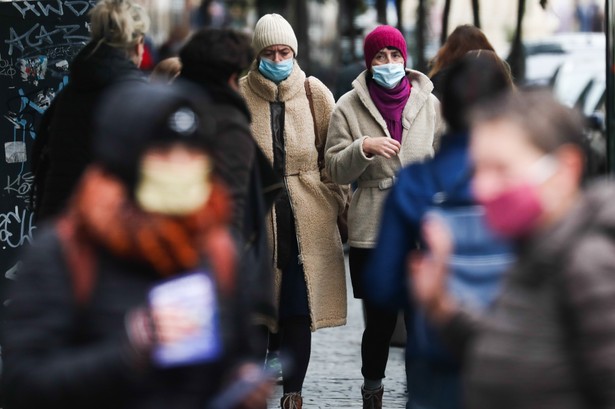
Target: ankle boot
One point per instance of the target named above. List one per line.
(372, 399)
(291, 400)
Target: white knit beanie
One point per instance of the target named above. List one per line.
(272, 29)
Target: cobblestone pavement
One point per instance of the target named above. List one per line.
(334, 376)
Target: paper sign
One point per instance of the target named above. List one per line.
(192, 300)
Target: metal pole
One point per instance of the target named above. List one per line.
(609, 25)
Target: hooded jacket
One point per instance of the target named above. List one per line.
(356, 118)
(315, 200)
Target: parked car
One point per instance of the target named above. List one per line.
(546, 55)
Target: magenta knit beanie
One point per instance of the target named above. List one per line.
(381, 37)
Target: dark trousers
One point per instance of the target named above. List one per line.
(379, 323)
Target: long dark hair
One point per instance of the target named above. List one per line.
(463, 39)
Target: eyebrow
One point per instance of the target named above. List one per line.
(277, 49)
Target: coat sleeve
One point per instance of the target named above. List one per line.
(235, 155)
(589, 302)
(344, 157)
(42, 365)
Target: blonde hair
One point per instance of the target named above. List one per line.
(118, 23)
(166, 70)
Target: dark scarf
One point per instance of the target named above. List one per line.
(391, 104)
(102, 213)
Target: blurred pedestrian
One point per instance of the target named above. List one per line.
(549, 340)
(443, 182)
(129, 300)
(213, 59)
(463, 39)
(389, 120)
(166, 70)
(62, 148)
(290, 113)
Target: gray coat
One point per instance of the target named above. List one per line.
(356, 118)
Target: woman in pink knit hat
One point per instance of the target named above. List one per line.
(389, 120)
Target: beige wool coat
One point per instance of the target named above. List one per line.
(356, 118)
(316, 201)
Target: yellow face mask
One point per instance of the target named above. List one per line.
(172, 187)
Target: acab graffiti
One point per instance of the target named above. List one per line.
(16, 228)
(40, 35)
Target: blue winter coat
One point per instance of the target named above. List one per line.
(400, 233)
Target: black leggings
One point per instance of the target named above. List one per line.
(295, 349)
(379, 323)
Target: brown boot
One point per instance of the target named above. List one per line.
(291, 400)
(372, 399)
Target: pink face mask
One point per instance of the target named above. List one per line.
(515, 212)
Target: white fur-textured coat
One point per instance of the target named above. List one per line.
(315, 200)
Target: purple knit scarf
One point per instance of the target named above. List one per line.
(391, 104)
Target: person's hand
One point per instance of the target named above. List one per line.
(174, 324)
(382, 146)
(257, 397)
(428, 272)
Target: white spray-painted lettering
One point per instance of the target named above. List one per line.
(39, 35)
(38, 8)
(7, 68)
(19, 186)
(16, 227)
(13, 272)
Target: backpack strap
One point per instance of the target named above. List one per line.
(79, 256)
(320, 146)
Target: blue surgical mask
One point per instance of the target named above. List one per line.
(388, 75)
(276, 71)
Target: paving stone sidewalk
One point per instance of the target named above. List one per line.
(334, 376)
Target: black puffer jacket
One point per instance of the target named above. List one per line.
(62, 353)
(62, 148)
(549, 342)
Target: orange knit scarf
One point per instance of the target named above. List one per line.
(102, 213)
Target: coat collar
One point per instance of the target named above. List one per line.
(272, 92)
(421, 90)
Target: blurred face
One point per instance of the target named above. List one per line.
(503, 158)
(388, 56)
(513, 180)
(277, 53)
(173, 180)
(175, 154)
